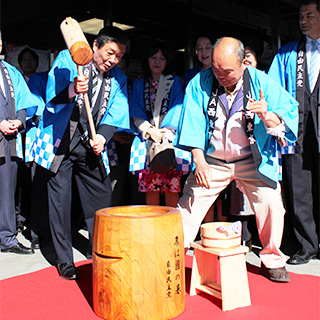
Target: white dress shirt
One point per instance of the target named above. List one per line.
(308, 54)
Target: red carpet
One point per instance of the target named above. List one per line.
(43, 295)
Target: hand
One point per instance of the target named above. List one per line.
(155, 134)
(15, 123)
(167, 134)
(8, 127)
(260, 107)
(282, 141)
(80, 84)
(203, 173)
(97, 145)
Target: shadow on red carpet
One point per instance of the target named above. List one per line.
(43, 295)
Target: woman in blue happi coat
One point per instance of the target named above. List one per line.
(155, 105)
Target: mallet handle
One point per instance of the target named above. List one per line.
(88, 110)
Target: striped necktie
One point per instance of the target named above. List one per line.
(314, 67)
(94, 85)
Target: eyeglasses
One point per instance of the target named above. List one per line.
(206, 49)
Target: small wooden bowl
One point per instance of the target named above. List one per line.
(212, 237)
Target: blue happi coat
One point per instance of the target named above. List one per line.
(283, 70)
(37, 85)
(138, 156)
(24, 99)
(283, 67)
(55, 118)
(194, 122)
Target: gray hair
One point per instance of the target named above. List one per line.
(238, 49)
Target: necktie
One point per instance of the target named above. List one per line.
(94, 85)
(314, 67)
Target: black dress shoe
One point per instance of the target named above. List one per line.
(19, 249)
(301, 257)
(35, 243)
(67, 271)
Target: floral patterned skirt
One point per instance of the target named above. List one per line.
(163, 182)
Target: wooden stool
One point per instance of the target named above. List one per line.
(221, 273)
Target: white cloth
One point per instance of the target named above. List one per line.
(279, 130)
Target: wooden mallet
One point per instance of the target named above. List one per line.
(81, 54)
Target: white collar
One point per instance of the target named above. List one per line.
(309, 41)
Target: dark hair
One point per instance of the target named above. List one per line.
(308, 2)
(152, 49)
(203, 35)
(112, 34)
(255, 45)
(25, 50)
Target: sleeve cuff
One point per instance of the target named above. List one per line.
(71, 92)
(102, 138)
(143, 127)
(278, 131)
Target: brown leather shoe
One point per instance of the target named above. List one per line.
(275, 274)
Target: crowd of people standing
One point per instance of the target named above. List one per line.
(251, 129)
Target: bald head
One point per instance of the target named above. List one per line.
(230, 47)
(228, 61)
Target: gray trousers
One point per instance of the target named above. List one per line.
(8, 182)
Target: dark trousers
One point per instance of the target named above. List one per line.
(8, 182)
(301, 179)
(23, 189)
(23, 192)
(39, 219)
(124, 183)
(94, 193)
